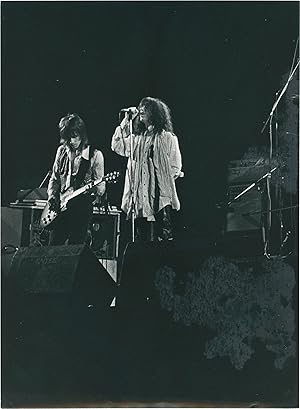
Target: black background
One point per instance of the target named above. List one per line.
(217, 65)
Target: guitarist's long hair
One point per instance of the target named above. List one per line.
(71, 126)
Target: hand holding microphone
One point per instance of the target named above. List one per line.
(131, 112)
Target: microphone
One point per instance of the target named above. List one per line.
(131, 110)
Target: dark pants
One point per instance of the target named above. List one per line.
(161, 229)
(72, 225)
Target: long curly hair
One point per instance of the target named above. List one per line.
(159, 115)
(71, 126)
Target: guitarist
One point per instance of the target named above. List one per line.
(76, 163)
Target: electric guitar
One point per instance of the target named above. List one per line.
(48, 216)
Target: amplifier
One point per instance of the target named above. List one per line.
(245, 213)
(13, 235)
(104, 235)
(38, 236)
(246, 170)
(103, 232)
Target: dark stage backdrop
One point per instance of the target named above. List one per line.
(218, 66)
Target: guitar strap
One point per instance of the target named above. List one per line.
(83, 168)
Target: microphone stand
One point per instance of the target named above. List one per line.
(280, 96)
(132, 184)
(27, 193)
(265, 176)
(45, 178)
(270, 120)
(273, 210)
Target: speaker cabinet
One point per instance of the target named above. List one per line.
(62, 270)
(13, 234)
(56, 309)
(11, 226)
(20, 227)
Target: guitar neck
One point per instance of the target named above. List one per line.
(83, 189)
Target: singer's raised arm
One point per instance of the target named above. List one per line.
(120, 142)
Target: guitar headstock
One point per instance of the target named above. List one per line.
(111, 177)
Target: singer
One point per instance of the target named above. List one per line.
(157, 164)
(76, 163)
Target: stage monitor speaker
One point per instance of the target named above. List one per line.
(62, 270)
(56, 309)
(244, 215)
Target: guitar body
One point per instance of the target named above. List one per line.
(48, 216)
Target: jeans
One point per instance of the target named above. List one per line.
(72, 225)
